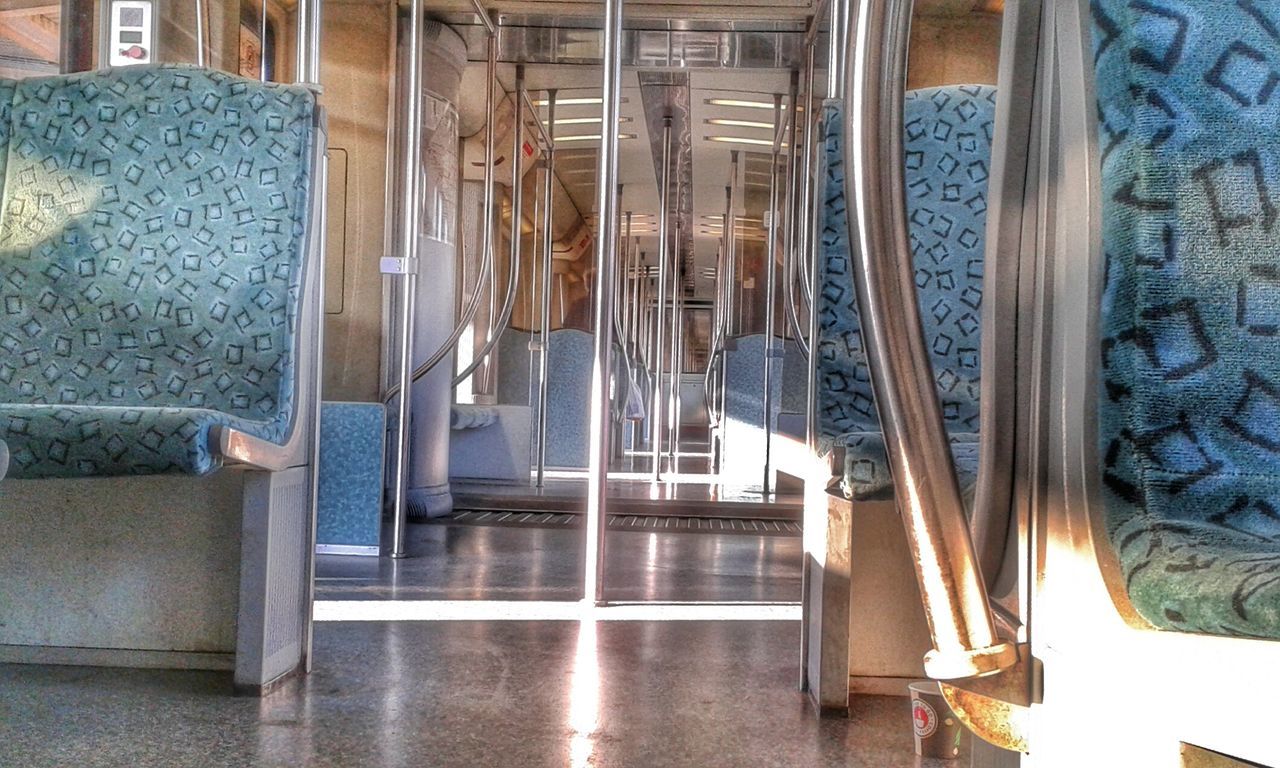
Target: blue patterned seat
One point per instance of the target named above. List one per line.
(1189, 405)
(151, 252)
(947, 141)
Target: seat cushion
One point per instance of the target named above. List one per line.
(87, 441)
(1189, 401)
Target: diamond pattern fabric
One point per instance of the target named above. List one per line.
(1189, 404)
(151, 249)
(947, 149)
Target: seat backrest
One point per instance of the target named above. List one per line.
(569, 361)
(1189, 404)
(947, 140)
(151, 239)
(514, 367)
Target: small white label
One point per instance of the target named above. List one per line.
(131, 33)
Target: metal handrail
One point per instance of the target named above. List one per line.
(791, 233)
(954, 593)
(807, 234)
(517, 218)
(544, 295)
(486, 237)
(771, 299)
(485, 19)
(606, 242)
(409, 247)
(656, 399)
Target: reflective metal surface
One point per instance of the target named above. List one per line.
(668, 95)
(656, 400)
(544, 295)
(516, 238)
(307, 66)
(487, 256)
(577, 43)
(409, 247)
(842, 22)
(793, 221)
(602, 365)
(771, 295)
(202, 38)
(1010, 234)
(928, 495)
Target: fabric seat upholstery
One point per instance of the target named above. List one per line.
(151, 251)
(947, 142)
(1189, 402)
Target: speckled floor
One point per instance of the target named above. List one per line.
(520, 694)
(486, 693)
(497, 563)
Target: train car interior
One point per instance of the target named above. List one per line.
(615, 383)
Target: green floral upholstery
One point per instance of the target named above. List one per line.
(947, 146)
(151, 252)
(1189, 405)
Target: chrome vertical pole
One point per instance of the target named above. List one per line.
(673, 380)
(262, 43)
(791, 223)
(716, 397)
(841, 37)
(544, 320)
(656, 400)
(770, 300)
(308, 56)
(815, 184)
(731, 288)
(637, 261)
(731, 225)
(201, 32)
(412, 169)
(807, 198)
(318, 393)
(606, 242)
(624, 286)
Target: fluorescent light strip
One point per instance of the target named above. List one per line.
(583, 120)
(744, 104)
(575, 102)
(591, 137)
(719, 217)
(741, 140)
(529, 610)
(738, 123)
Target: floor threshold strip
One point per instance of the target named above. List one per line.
(530, 610)
(628, 522)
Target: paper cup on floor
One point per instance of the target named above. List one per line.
(937, 730)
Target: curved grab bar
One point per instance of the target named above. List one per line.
(807, 198)
(955, 598)
(793, 314)
(486, 237)
(517, 203)
(791, 230)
